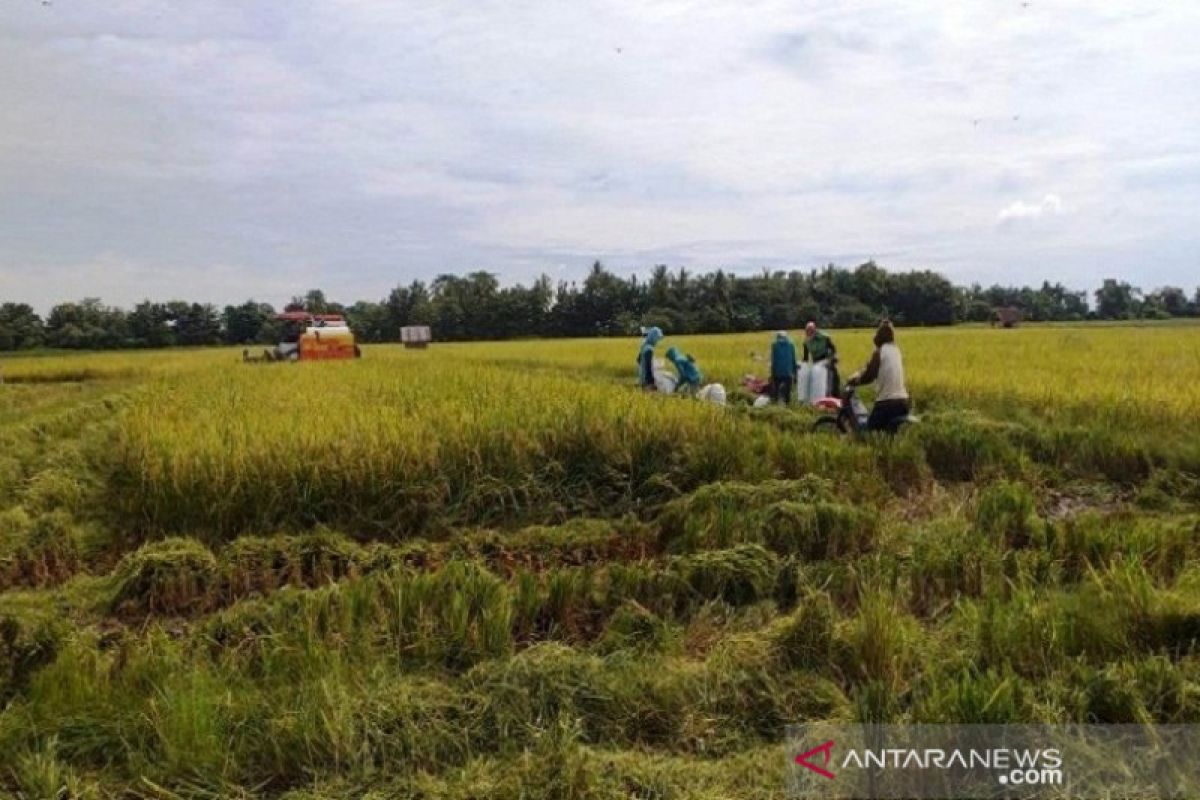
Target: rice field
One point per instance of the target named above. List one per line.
(499, 570)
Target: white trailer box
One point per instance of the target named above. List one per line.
(416, 335)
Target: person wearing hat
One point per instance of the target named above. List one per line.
(886, 371)
(783, 368)
(645, 359)
(689, 373)
(819, 347)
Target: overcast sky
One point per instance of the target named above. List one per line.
(219, 150)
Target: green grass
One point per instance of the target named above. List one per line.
(500, 571)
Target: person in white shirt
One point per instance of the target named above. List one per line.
(886, 371)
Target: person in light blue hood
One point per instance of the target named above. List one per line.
(645, 359)
(783, 368)
(689, 373)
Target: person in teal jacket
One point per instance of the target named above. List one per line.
(645, 358)
(783, 367)
(689, 373)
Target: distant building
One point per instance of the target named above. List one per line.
(1007, 317)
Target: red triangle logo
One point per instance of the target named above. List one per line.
(826, 751)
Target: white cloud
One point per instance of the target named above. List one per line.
(373, 143)
(120, 280)
(1050, 206)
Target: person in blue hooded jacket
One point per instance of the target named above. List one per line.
(645, 359)
(783, 367)
(689, 373)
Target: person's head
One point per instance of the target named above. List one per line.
(653, 334)
(810, 330)
(781, 336)
(885, 333)
(673, 355)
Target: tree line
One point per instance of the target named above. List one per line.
(476, 306)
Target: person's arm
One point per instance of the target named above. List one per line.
(870, 372)
(647, 363)
(805, 356)
(832, 348)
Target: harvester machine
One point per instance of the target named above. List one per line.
(310, 337)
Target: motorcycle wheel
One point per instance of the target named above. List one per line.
(828, 425)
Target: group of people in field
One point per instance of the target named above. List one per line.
(885, 369)
(689, 375)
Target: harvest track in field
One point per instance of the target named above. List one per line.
(447, 574)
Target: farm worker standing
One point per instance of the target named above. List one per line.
(645, 358)
(819, 347)
(783, 367)
(886, 371)
(689, 373)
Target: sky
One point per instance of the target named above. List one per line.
(217, 151)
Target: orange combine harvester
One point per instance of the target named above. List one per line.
(311, 337)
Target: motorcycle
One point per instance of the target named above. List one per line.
(848, 414)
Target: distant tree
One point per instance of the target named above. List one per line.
(315, 302)
(1171, 300)
(870, 285)
(369, 321)
(720, 300)
(249, 323)
(524, 311)
(20, 327)
(602, 299)
(196, 324)
(628, 323)
(87, 325)
(1064, 303)
(681, 289)
(406, 305)
(830, 287)
(658, 291)
(920, 298)
(151, 325)
(971, 305)
(1116, 300)
(1050, 302)
(467, 307)
(668, 319)
(1151, 308)
(476, 306)
(850, 313)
